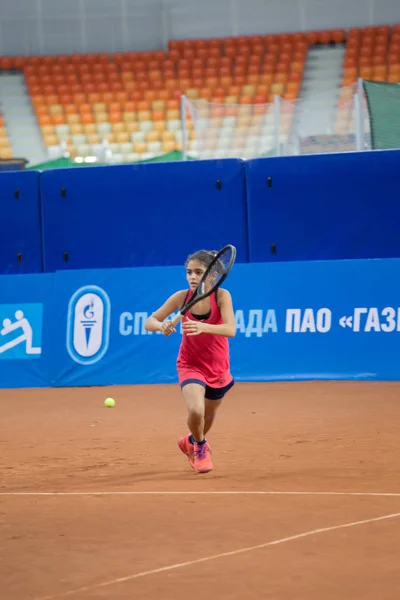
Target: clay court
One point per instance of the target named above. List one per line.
(303, 501)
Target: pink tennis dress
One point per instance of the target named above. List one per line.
(205, 357)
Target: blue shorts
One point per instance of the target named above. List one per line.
(211, 393)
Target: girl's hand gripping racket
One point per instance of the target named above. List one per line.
(217, 271)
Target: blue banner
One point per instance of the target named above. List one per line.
(323, 320)
(26, 325)
(101, 338)
(302, 320)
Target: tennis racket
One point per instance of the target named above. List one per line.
(220, 267)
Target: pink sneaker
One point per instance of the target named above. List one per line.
(202, 458)
(187, 448)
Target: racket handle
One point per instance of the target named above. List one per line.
(177, 319)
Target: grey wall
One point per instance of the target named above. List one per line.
(66, 26)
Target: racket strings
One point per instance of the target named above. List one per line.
(223, 263)
(221, 266)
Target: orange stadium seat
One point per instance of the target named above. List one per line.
(140, 92)
(133, 98)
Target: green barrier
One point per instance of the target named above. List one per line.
(65, 163)
(383, 101)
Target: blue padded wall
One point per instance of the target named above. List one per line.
(20, 228)
(324, 206)
(144, 215)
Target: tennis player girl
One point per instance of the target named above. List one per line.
(203, 361)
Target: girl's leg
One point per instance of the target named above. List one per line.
(195, 402)
(211, 407)
(212, 402)
(196, 447)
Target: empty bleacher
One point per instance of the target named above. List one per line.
(131, 100)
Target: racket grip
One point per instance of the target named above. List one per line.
(177, 319)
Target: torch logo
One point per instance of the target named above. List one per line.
(88, 325)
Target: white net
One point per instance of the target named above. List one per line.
(5, 148)
(323, 123)
(214, 130)
(365, 123)
(330, 121)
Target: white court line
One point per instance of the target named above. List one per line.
(197, 561)
(203, 493)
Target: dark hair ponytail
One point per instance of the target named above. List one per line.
(206, 257)
(203, 256)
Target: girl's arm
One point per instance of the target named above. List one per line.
(155, 322)
(226, 329)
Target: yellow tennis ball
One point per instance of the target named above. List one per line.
(109, 402)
